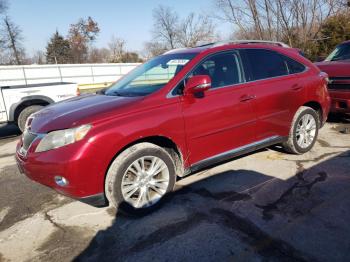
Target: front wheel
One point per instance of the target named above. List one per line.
(303, 132)
(139, 178)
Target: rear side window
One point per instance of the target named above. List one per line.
(293, 66)
(264, 64)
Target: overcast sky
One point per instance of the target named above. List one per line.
(128, 19)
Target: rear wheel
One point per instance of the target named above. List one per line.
(25, 113)
(303, 132)
(139, 178)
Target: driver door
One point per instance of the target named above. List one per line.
(222, 119)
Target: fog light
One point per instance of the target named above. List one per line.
(61, 181)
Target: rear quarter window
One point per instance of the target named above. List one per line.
(293, 66)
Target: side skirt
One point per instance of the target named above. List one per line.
(211, 161)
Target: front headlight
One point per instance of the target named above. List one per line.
(61, 138)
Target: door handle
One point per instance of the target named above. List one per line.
(245, 98)
(296, 87)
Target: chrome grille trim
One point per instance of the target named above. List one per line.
(339, 83)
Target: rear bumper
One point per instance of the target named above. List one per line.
(76, 163)
(340, 101)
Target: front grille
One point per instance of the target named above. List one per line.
(27, 139)
(339, 83)
(339, 86)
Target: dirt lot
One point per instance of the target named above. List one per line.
(267, 206)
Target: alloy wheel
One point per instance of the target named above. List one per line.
(145, 181)
(306, 130)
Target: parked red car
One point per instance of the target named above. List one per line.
(337, 66)
(178, 113)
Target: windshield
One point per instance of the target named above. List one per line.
(341, 52)
(150, 76)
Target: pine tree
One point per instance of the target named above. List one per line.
(58, 50)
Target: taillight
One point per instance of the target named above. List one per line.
(78, 91)
(324, 76)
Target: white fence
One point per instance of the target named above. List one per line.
(77, 73)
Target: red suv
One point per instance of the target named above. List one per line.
(337, 66)
(176, 114)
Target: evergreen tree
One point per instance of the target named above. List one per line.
(58, 50)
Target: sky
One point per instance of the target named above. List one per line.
(127, 19)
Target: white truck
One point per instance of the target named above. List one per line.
(18, 102)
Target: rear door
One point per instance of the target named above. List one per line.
(278, 92)
(3, 116)
(220, 120)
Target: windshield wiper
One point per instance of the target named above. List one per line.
(115, 93)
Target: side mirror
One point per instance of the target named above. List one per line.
(198, 83)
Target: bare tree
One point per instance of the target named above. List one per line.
(3, 56)
(12, 41)
(194, 29)
(39, 58)
(117, 49)
(152, 49)
(166, 22)
(99, 55)
(170, 31)
(295, 21)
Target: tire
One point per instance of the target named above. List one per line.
(120, 172)
(25, 113)
(306, 139)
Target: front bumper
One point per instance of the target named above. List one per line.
(78, 163)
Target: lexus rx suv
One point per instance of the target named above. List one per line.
(337, 66)
(178, 113)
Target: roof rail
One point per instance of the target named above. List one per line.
(281, 44)
(174, 50)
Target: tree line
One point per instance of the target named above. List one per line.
(314, 26)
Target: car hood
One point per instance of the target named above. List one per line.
(77, 111)
(335, 68)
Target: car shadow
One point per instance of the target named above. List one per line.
(240, 215)
(9, 131)
(338, 118)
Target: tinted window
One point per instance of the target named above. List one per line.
(294, 66)
(223, 69)
(265, 64)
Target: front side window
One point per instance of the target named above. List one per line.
(150, 76)
(264, 64)
(223, 69)
(341, 52)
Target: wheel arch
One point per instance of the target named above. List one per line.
(16, 108)
(317, 107)
(161, 141)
